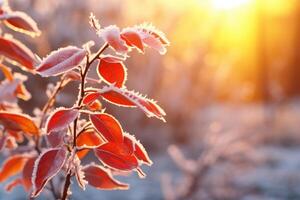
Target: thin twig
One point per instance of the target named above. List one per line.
(83, 74)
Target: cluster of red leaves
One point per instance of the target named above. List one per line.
(58, 139)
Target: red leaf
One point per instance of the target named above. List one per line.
(60, 119)
(16, 51)
(10, 186)
(12, 166)
(61, 61)
(101, 178)
(123, 97)
(112, 70)
(27, 173)
(111, 35)
(88, 138)
(133, 39)
(46, 167)
(18, 122)
(107, 126)
(116, 156)
(21, 22)
(56, 138)
(139, 150)
(91, 97)
(117, 98)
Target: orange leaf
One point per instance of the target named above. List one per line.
(60, 119)
(12, 166)
(88, 138)
(101, 178)
(90, 98)
(18, 122)
(10, 186)
(112, 70)
(46, 167)
(16, 51)
(95, 106)
(27, 173)
(20, 91)
(6, 72)
(107, 126)
(61, 61)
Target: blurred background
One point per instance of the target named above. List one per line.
(229, 83)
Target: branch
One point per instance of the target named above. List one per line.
(83, 73)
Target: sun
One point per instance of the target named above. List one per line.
(228, 4)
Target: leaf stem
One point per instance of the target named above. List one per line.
(83, 74)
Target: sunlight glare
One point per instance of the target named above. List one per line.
(228, 4)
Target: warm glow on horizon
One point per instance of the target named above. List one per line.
(228, 4)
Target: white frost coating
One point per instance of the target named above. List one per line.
(60, 63)
(35, 170)
(7, 91)
(134, 97)
(4, 5)
(94, 22)
(79, 173)
(87, 46)
(73, 164)
(153, 37)
(111, 35)
(4, 16)
(150, 28)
